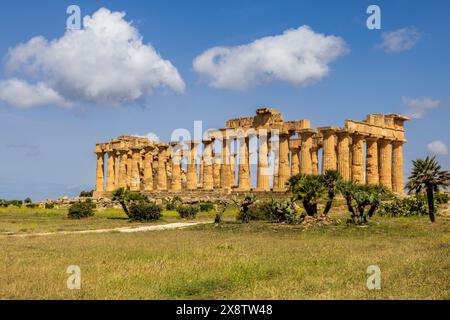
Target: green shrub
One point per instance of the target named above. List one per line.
(17, 203)
(283, 211)
(206, 206)
(27, 201)
(256, 211)
(188, 211)
(31, 205)
(86, 194)
(144, 211)
(49, 206)
(410, 206)
(441, 198)
(173, 203)
(3, 203)
(81, 210)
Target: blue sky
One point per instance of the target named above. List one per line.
(47, 150)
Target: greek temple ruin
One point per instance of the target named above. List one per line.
(368, 151)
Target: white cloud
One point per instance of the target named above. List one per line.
(23, 95)
(418, 107)
(400, 40)
(105, 63)
(150, 136)
(298, 56)
(438, 147)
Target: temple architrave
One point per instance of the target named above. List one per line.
(368, 151)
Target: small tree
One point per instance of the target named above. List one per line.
(27, 201)
(427, 174)
(331, 180)
(126, 198)
(244, 207)
(308, 189)
(81, 210)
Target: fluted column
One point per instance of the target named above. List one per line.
(263, 162)
(358, 158)
(116, 169)
(372, 176)
(216, 171)
(208, 177)
(123, 177)
(397, 170)
(295, 161)
(344, 155)
(315, 159)
(100, 174)
(284, 168)
(135, 176)
(385, 151)
(244, 167)
(176, 169)
(225, 173)
(162, 170)
(111, 171)
(148, 171)
(305, 152)
(329, 161)
(192, 167)
(129, 166)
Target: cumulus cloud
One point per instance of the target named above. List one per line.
(104, 63)
(438, 147)
(298, 56)
(400, 40)
(418, 107)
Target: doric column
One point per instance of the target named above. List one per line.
(100, 175)
(329, 160)
(372, 176)
(344, 154)
(263, 162)
(284, 168)
(208, 177)
(244, 167)
(135, 176)
(162, 170)
(385, 151)
(123, 178)
(116, 169)
(192, 167)
(358, 158)
(216, 171)
(129, 166)
(225, 173)
(315, 158)
(111, 171)
(295, 160)
(176, 168)
(305, 153)
(397, 170)
(148, 171)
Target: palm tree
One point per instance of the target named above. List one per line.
(331, 180)
(308, 189)
(427, 174)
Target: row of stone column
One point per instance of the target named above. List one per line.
(142, 170)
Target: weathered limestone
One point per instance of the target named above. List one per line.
(162, 170)
(358, 158)
(244, 166)
(397, 167)
(284, 167)
(294, 145)
(148, 171)
(263, 163)
(192, 167)
(138, 164)
(329, 160)
(111, 171)
(305, 153)
(100, 176)
(135, 176)
(372, 176)
(385, 150)
(343, 154)
(225, 169)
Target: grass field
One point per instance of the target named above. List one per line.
(231, 261)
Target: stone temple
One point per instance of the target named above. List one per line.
(368, 151)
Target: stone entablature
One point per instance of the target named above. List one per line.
(138, 164)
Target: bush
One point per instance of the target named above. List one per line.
(17, 203)
(410, 206)
(31, 205)
(188, 211)
(86, 194)
(49, 206)
(3, 203)
(173, 203)
(283, 211)
(256, 211)
(27, 201)
(144, 211)
(441, 198)
(81, 210)
(206, 206)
